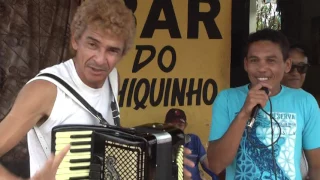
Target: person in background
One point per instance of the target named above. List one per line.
(297, 74)
(177, 118)
(295, 79)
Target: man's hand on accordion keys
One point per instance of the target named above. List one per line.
(50, 169)
(187, 162)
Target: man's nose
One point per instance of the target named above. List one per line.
(262, 67)
(100, 57)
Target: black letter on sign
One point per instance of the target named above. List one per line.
(153, 23)
(122, 92)
(167, 92)
(131, 4)
(205, 91)
(153, 100)
(177, 92)
(194, 16)
(136, 65)
(196, 92)
(141, 103)
(173, 60)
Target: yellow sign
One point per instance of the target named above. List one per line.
(181, 58)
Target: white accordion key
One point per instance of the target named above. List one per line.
(76, 163)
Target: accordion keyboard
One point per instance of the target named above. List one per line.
(76, 164)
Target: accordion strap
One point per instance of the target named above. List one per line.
(42, 141)
(71, 92)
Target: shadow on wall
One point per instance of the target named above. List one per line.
(16, 160)
(33, 36)
(2, 78)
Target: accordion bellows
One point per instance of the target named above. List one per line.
(146, 152)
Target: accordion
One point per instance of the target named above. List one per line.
(149, 151)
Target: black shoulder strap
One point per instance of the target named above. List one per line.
(114, 108)
(80, 99)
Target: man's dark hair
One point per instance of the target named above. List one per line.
(300, 48)
(270, 35)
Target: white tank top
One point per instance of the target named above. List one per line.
(66, 111)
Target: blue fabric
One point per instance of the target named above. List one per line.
(299, 118)
(198, 154)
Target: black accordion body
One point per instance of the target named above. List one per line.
(146, 152)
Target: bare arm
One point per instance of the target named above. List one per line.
(205, 162)
(221, 152)
(33, 102)
(205, 167)
(313, 158)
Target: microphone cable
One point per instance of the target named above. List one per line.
(272, 147)
(272, 137)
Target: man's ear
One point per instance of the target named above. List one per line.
(245, 64)
(288, 64)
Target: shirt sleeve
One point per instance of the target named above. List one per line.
(311, 130)
(220, 119)
(202, 152)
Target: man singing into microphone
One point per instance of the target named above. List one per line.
(267, 149)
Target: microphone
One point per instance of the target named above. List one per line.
(255, 110)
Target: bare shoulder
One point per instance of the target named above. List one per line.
(39, 89)
(39, 86)
(35, 99)
(313, 159)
